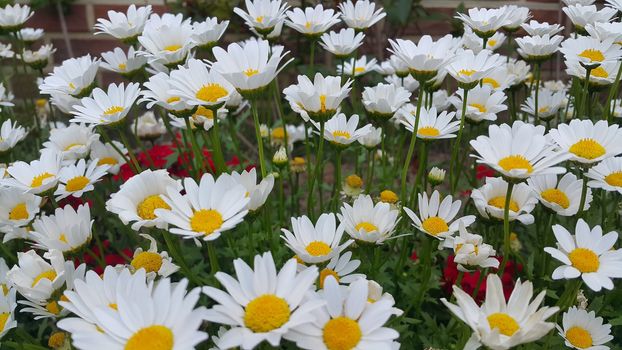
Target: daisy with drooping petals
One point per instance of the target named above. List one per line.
(393, 66)
(10, 135)
(588, 253)
(343, 43)
(541, 28)
(106, 107)
(588, 142)
(549, 103)
(438, 218)
(347, 320)
(263, 15)
(484, 22)
(366, 222)
(360, 15)
(167, 39)
(261, 304)
(7, 310)
(489, 201)
(249, 76)
(383, 100)
(317, 243)
(318, 99)
(563, 198)
(538, 48)
(606, 175)
(341, 131)
(518, 151)
(583, 330)
(498, 324)
(432, 126)
(206, 209)
(197, 85)
(75, 77)
(516, 15)
(483, 103)
(206, 34)
(35, 278)
(425, 58)
(73, 142)
(140, 196)
(356, 67)
(17, 208)
(67, 230)
(582, 15)
(76, 179)
(341, 268)
(120, 62)
(148, 127)
(153, 262)
(13, 17)
(36, 177)
(30, 35)
(124, 26)
(257, 192)
(469, 68)
(313, 21)
(105, 154)
(372, 138)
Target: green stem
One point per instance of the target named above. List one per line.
(426, 263)
(613, 91)
(411, 147)
(317, 176)
(179, 258)
(506, 227)
(197, 156)
(337, 185)
(262, 161)
(371, 162)
(219, 159)
(537, 77)
(130, 152)
(423, 161)
(213, 258)
(580, 213)
(585, 92)
(453, 178)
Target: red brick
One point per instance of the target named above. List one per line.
(82, 47)
(101, 11)
(47, 18)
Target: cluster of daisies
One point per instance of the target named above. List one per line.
(552, 151)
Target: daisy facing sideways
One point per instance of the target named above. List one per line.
(76, 179)
(563, 197)
(587, 254)
(588, 142)
(341, 268)
(38, 176)
(261, 304)
(583, 330)
(341, 131)
(67, 230)
(155, 264)
(106, 107)
(489, 201)
(432, 125)
(607, 175)
(366, 222)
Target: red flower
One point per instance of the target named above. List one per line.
(484, 171)
(110, 259)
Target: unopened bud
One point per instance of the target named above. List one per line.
(436, 176)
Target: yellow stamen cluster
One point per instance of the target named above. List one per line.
(584, 260)
(435, 225)
(206, 221)
(266, 313)
(146, 208)
(341, 333)
(504, 323)
(155, 337)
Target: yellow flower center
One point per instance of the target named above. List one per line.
(173, 99)
(429, 131)
(57, 339)
(146, 208)
(318, 248)
(491, 43)
(72, 86)
(614, 179)
(113, 110)
(113, 306)
(3, 318)
(38, 180)
(266, 313)
(504, 323)
(77, 183)
(479, 106)
(19, 212)
(49, 275)
(72, 146)
(250, 72)
(341, 133)
(172, 48)
(492, 82)
(211, 92)
(435, 225)
(579, 337)
(62, 238)
(278, 133)
(593, 55)
(325, 273)
(388, 196)
(553, 195)
(499, 202)
(53, 307)
(584, 260)
(206, 221)
(512, 162)
(467, 72)
(323, 103)
(308, 25)
(149, 261)
(107, 161)
(299, 161)
(367, 226)
(41, 102)
(122, 66)
(359, 69)
(204, 112)
(543, 109)
(599, 72)
(259, 19)
(587, 148)
(341, 333)
(354, 181)
(151, 338)
(5, 289)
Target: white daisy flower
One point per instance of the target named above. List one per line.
(471, 251)
(317, 243)
(5, 97)
(366, 222)
(7, 311)
(158, 92)
(262, 304)
(10, 135)
(601, 76)
(30, 35)
(197, 85)
(153, 262)
(534, 28)
(76, 179)
(120, 62)
(469, 68)
(105, 154)
(341, 268)
(5, 51)
(617, 4)
(249, 76)
(206, 209)
(499, 78)
(582, 15)
(498, 324)
(432, 126)
(549, 103)
(473, 42)
(538, 48)
(140, 196)
(347, 320)
(360, 15)
(563, 198)
(590, 51)
(63, 102)
(516, 15)
(263, 15)
(313, 21)
(38, 59)
(425, 58)
(67, 230)
(408, 82)
(438, 218)
(12, 18)
(206, 34)
(588, 254)
(73, 142)
(383, 100)
(484, 22)
(318, 99)
(167, 39)
(606, 30)
(578, 2)
(356, 67)
(483, 103)
(583, 330)
(343, 43)
(341, 131)
(124, 26)
(606, 175)
(106, 107)
(37, 279)
(38, 176)
(142, 319)
(588, 142)
(17, 208)
(372, 138)
(490, 201)
(257, 192)
(75, 77)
